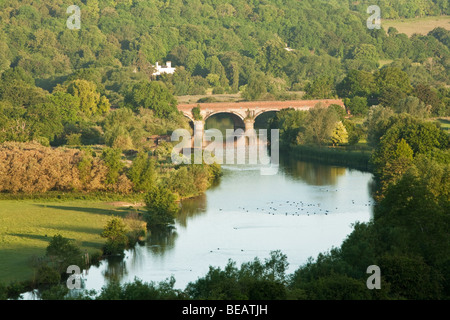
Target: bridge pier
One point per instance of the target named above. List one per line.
(250, 133)
(249, 124)
(199, 130)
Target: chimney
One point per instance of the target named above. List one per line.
(157, 65)
(169, 64)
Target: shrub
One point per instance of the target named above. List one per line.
(33, 168)
(115, 232)
(136, 226)
(161, 207)
(46, 275)
(63, 253)
(196, 113)
(142, 172)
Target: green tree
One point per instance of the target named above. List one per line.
(115, 232)
(410, 277)
(112, 158)
(138, 290)
(91, 102)
(62, 253)
(320, 88)
(255, 88)
(160, 207)
(405, 138)
(427, 95)
(67, 105)
(393, 77)
(397, 163)
(390, 96)
(355, 131)
(44, 120)
(320, 124)
(152, 95)
(124, 130)
(17, 74)
(21, 93)
(413, 106)
(253, 280)
(357, 83)
(142, 173)
(291, 124)
(46, 275)
(339, 134)
(215, 67)
(195, 62)
(366, 52)
(337, 287)
(357, 105)
(378, 122)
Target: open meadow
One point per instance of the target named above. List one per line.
(417, 25)
(26, 227)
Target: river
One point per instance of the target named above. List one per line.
(303, 210)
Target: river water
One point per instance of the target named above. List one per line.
(303, 210)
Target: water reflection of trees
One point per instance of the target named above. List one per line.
(312, 173)
(116, 268)
(190, 208)
(159, 241)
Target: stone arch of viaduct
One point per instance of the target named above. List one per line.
(245, 113)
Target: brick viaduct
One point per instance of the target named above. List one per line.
(245, 113)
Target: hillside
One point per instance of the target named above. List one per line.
(61, 82)
(215, 45)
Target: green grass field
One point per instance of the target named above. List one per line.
(417, 25)
(26, 227)
(445, 124)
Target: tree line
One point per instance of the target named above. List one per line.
(229, 46)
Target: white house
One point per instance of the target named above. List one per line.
(167, 69)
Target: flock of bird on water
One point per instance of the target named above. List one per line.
(294, 208)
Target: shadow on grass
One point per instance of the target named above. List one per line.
(32, 236)
(78, 229)
(82, 243)
(108, 212)
(445, 124)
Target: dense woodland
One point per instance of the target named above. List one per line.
(58, 86)
(91, 94)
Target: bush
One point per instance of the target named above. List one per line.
(112, 158)
(33, 168)
(410, 277)
(136, 226)
(218, 90)
(161, 207)
(142, 173)
(73, 139)
(63, 253)
(14, 290)
(46, 275)
(3, 292)
(206, 100)
(338, 287)
(139, 290)
(196, 113)
(58, 292)
(115, 232)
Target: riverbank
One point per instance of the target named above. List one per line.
(352, 158)
(29, 221)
